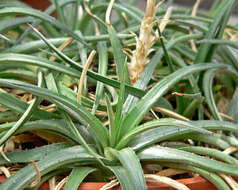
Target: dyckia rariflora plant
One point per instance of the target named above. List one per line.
(123, 98)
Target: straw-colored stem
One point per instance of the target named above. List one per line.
(38, 175)
(165, 180)
(62, 47)
(194, 12)
(108, 12)
(83, 75)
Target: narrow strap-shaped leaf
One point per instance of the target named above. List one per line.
(26, 116)
(210, 152)
(119, 108)
(166, 55)
(131, 163)
(118, 53)
(59, 10)
(70, 106)
(19, 123)
(164, 154)
(171, 68)
(81, 139)
(229, 55)
(33, 46)
(80, 68)
(36, 154)
(211, 176)
(209, 139)
(50, 175)
(207, 87)
(122, 175)
(51, 85)
(18, 106)
(137, 16)
(216, 30)
(50, 82)
(219, 42)
(76, 13)
(232, 109)
(83, 59)
(19, 74)
(48, 11)
(158, 123)
(43, 16)
(14, 3)
(5, 25)
(102, 69)
(37, 61)
(217, 7)
(150, 99)
(111, 121)
(77, 176)
(8, 116)
(97, 19)
(156, 135)
(52, 126)
(51, 162)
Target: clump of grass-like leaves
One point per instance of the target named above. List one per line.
(95, 96)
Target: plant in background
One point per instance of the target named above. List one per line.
(71, 111)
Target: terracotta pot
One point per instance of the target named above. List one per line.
(2, 179)
(36, 4)
(40, 5)
(196, 183)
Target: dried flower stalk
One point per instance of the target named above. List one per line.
(110, 185)
(61, 183)
(166, 180)
(165, 20)
(62, 47)
(230, 150)
(108, 12)
(38, 175)
(139, 58)
(170, 172)
(170, 113)
(146, 40)
(3, 154)
(5, 171)
(231, 182)
(83, 75)
(194, 12)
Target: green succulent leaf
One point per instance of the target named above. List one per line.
(211, 176)
(131, 164)
(160, 134)
(150, 99)
(164, 154)
(123, 177)
(102, 69)
(210, 152)
(159, 123)
(71, 107)
(43, 16)
(77, 176)
(215, 31)
(36, 154)
(207, 87)
(16, 105)
(54, 160)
